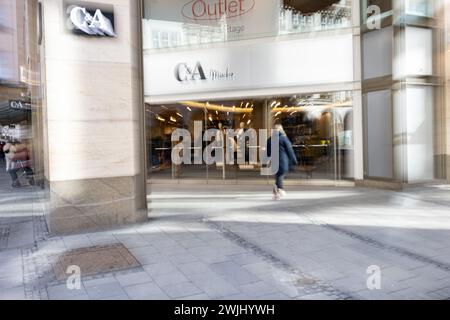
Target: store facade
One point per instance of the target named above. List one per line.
(251, 65)
(360, 87)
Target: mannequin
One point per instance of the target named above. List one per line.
(240, 143)
(221, 144)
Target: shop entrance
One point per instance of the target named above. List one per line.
(320, 127)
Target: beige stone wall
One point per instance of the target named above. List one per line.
(92, 110)
(447, 87)
(93, 121)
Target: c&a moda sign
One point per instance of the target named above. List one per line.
(213, 10)
(189, 73)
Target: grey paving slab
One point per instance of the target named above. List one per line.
(193, 268)
(331, 234)
(122, 297)
(243, 259)
(154, 258)
(316, 297)
(184, 257)
(134, 278)
(198, 297)
(171, 278)
(101, 239)
(142, 252)
(145, 291)
(11, 282)
(104, 290)
(234, 273)
(181, 289)
(61, 292)
(132, 241)
(17, 293)
(160, 269)
(258, 289)
(213, 285)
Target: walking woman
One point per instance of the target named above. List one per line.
(287, 159)
(17, 159)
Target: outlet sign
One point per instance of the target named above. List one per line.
(90, 19)
(242, 18)
(216, 10)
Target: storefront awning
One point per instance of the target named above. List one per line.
(10, 115)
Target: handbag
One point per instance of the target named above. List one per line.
(20, 156)
(21, 164)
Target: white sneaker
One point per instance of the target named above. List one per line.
(281, 193)
(276, 195)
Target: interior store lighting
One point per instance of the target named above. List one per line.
(213, 107)
(346, 104)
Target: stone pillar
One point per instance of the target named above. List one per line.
(447, 89)
(94, 121)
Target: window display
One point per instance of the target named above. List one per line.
(320, 127)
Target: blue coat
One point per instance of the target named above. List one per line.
(287, 154)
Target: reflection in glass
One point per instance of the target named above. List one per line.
(420, 7)
(320, 126)
(172, 23)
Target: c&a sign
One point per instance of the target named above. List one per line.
(90, 19)
(191, 73)
(213, 10)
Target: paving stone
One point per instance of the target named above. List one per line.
(146, 291)
(11, 282)
(61, 292)
(182, 258)
(161, 268)
(170, 278)
(193, 268)
(144, 251)
(275, 247)
(198, 297)
(17, 293)
(154, 258)
(122, 297)
(258, 289)
(214, 286)
(133, 278)
(180, 289)
(234, 273)
(316, 297)
(105, 290)
(132, 241)
(244, 259)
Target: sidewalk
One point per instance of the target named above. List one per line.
(234, 242)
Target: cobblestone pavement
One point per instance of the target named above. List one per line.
(234, 242)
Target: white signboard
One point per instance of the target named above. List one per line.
(242, 17)
(323, 60)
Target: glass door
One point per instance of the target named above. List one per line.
(162, 121)
(320, 129)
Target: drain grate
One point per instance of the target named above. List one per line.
(4, 236)
(95, 260)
